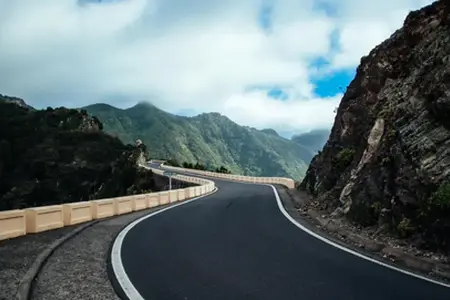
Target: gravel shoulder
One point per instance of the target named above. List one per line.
(18, 254)
(75, 270)
(78, 268)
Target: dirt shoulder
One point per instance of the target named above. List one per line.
(366, 241)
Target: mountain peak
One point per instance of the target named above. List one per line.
(15, 100)
(144, 104)
(270, 131)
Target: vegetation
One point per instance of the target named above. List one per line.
(434, 217)
(61, 155)
(344, 157)
(197, 166)
(405, 228)
(209, 138)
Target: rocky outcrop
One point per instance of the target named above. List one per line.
(61, 155)
(387, 160)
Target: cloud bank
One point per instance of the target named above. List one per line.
(231, 56)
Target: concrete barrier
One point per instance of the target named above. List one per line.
(74, 213)
(173, 196)
(139, 202)
(288, 182)
(198, 191)
(181, 194)
(123, 205)
(190, 192)
(102, 208)
(164, 198)
(44, 218)
(12, 224)
(15, 223)
(152, 200)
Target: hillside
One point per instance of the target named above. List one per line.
(312, 141)
(61, 155)
(210, 138)
(387, 160)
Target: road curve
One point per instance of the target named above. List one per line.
(236, 244)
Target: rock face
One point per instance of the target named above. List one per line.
(61, 155)
(387, 160)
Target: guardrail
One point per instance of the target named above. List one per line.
(14, 223)
(287, 182)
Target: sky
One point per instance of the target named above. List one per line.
(280, 64)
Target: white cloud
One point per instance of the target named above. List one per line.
(201, 55)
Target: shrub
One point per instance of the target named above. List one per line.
(173, 162)
(434, 217)
(405, 228)
(222, 169)
(344, 157)
(198, 166)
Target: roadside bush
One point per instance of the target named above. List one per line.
(222, 169)
(344, 157)
(434, 217)
(173, 162)
(405, 228)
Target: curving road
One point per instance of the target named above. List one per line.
(236, 244)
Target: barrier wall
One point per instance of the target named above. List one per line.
(181, 194)
(44, 218)
(139, 202)
(14, 223)
(153, 200)
(123, 205)
(173, 196)
(102, 208)
(287, 182)
(74, 213)
(164, 198)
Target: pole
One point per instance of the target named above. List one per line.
(170, 182)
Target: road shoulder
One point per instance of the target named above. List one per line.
(78, 268)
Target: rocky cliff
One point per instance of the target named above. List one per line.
(387, 160)
(61, 155)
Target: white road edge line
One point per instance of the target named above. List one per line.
(128, 288)
(331, 243)
(286, 214)
(116, 253)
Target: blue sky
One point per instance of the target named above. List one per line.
(280, 64)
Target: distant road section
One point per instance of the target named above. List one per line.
(236, 244)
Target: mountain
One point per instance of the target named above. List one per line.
(61, 155)
(312, 141)
(387, 159)
(210, 138)
(270, 131)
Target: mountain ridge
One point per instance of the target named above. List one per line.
(211, 139)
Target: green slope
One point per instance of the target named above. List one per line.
(210, 139)
(312, 142)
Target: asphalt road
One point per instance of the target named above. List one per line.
(236, 244)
